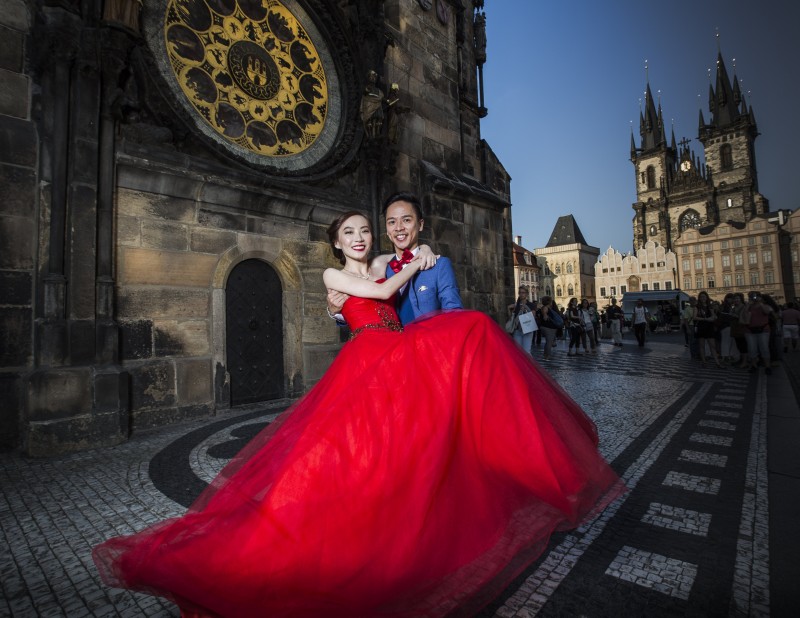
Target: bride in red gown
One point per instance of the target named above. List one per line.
(424, 471)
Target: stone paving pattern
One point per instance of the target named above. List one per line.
(692, 537)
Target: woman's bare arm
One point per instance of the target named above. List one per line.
(336, 279)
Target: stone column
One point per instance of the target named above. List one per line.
(61, 33)
(114, 45)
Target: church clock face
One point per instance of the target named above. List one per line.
(690, 220)
(255, 76)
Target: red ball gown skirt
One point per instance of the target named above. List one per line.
(422, 473)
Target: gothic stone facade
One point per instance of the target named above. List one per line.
(675, 191)
(168, 175)
(711, 214)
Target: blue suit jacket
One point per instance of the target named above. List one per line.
(433, 289)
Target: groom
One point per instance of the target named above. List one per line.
(428, 290)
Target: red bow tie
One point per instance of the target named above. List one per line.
(397, 265)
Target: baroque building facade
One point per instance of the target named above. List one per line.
(651, 268)
(739, 257)
(567, 263)
(526, 270)
(169, 171)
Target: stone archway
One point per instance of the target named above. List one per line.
(287, 331)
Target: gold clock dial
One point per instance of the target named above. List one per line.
(250, 69)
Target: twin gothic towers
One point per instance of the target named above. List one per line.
(675, 190)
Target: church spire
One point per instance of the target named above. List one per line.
(652, 129)
(726, 109)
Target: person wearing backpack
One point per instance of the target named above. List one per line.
(551, 322)
(575, 327)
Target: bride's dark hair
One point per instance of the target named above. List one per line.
(333, 231)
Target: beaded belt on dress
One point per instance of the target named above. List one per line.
(387, 323)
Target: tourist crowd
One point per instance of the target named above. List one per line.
(742, 332)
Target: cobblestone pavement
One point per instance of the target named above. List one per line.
(691, 538)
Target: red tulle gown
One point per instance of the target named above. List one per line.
(424, 471)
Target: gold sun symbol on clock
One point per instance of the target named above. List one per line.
(251, 71)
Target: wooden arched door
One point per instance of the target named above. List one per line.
(254, 328)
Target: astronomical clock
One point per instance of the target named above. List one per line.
(254, 77)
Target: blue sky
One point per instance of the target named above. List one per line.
(562, 83)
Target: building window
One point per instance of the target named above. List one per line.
(527, 258)
(656, 285)
(698, 263)
(765, 240)
(558, 270)
(767, 256)
(570, 290)
(686, 265)
(726, 157)
(569, 269)
(547, 291)
(602, 291)
(661, 264)
(613, 290)
(738, 259)
(754, 277)
(726, 261)
(709, 263)
(685, 249)
(726, 280)
(769, 277)
(668, 285)
(558, 291)
(795, 256)
(737, 242)
(651, 177)
(751, 241)
(687, 283)
(709, 246)
(711, 281)
(699, 282)
(752, 258)
(623, 289)
(644, 287)
(729, 202)
(739, 279)
(723, 244)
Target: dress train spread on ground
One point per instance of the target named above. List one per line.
(424, 471)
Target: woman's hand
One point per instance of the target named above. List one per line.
(336, 301)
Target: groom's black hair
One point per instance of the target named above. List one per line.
(404, 196)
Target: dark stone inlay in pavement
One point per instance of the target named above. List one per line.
(170, 468)
(242, 435)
